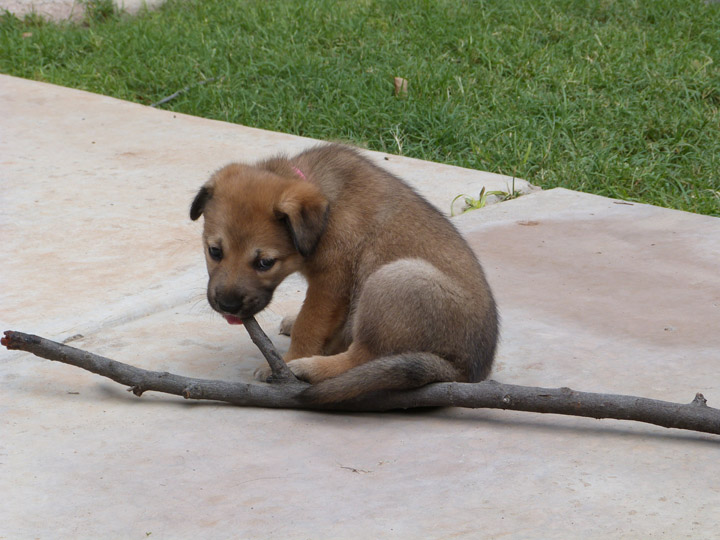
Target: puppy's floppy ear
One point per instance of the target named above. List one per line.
(305, 212)
(201, 199)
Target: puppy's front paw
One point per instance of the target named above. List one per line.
(286, 325)
(263, 374)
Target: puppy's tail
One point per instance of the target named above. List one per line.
(396, 372)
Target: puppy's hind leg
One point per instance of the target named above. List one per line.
(315, 369)
(407, 370)
(411, 306)
(408, 323)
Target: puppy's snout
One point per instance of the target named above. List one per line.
(230, 303)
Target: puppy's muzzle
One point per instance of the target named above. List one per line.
(233, 302)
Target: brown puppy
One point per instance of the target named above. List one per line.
(395, 299)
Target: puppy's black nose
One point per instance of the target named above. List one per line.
(230, 303)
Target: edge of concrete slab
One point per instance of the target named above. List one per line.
(220, 141)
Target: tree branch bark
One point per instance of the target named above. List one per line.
(280, 371)
(287, 391)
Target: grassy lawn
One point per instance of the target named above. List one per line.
(618, 98)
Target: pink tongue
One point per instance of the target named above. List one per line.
(232, 319)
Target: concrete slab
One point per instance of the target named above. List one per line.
(620, 294)
(595, 294)
(59, 10)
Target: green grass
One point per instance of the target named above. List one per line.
(615, 98)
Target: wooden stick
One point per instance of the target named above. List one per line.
(280, 371)
(695, 416)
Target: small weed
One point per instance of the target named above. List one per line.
(472, 203)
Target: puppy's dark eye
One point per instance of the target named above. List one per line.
(264, 265)
(216, 253)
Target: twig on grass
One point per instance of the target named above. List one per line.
(183, 90)
(286, 393)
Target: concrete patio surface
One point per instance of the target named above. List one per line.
(59, 10)
(595, 294)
